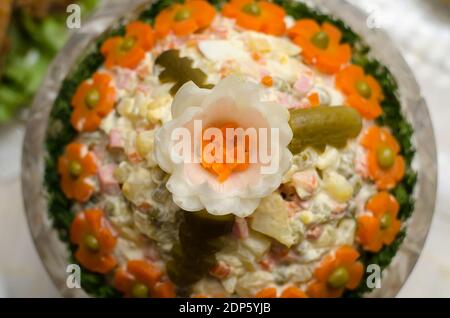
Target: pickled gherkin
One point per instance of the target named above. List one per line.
(321, 126)
(200, 237)
(179, 70)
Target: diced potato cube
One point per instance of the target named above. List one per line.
(328, 159)
(271, 218)
(157, 115)
(126, 107)
(307, 217)
(338, 187)
(161, 101)
(257, 243)
(258, 43)
(327, 238)
(142, 104)
(229, 284)
(250, 283)
(346, 232)
(144, 143)
(138, 186)
(306, 182)
(127, 189)
(230, 257)
(297, 273)
(208, 286)
(284, 59)
(122, 172)
(285, 46)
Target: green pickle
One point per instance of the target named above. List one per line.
(200, 237)
(179, 70)
(321, 126)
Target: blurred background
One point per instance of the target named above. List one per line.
(33, 31)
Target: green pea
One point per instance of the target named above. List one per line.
(252, 8)
(92, 98)
(91, 243)
(75, 169)
(127, 44)
(182, 15)
(363, 89)
(385, 221)
(385, 157)
(139, 291)
(339, 278)
(321, 40)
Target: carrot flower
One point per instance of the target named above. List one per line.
(385, 166)
(93, 100)
(142, 279)
(362, 91)
(75, 167)
(261, 16)
(184, 19)
(382, 226)
(92, 233)
(321, 45)
(336, 273)
(128, 51)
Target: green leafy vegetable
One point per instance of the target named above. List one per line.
(179, 70)
(58, 136)
(50, 34)
(33, 44)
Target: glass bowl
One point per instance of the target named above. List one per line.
(54, 253)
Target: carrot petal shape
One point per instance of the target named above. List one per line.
(293, 292)
(362, 91)
(386, 167)
(129, 50)
(93, 100)
(336, 273)
(269, 292)
(261, 16)
(184, 19)
(321, 45)
(380, 228)
(75, 167)
(92, 233)
(142, 279)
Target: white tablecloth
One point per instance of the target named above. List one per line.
(422, 31)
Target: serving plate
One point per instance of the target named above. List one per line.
(54, 253)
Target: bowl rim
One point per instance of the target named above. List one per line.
(54, 253)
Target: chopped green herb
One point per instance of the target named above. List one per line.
(33, 44)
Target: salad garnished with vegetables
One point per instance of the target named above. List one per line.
(143, 224)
